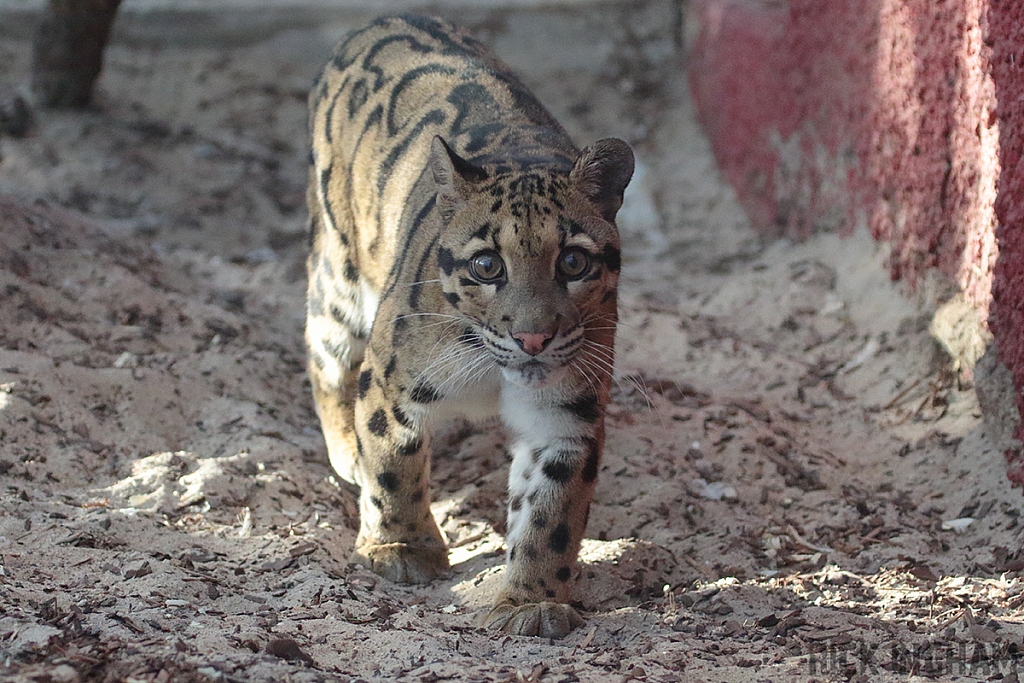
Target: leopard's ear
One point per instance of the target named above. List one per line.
(453, 174)
(602, 172)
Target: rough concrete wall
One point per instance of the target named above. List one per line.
(900, 113)
(1006, 34)
(780, 123)
(826, 113)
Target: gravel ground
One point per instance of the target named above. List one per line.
(796, 485)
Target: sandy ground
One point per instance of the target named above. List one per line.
(796, 486)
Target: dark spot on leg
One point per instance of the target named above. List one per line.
(351, 274)
(376, 502)
(559, 539)
(336, 351)
(389, 482)
(378, 423)
(563, 574)
(540, 521)
(593, 461)
(412, 527)
(424, 393)
(535, 455)
(511, 554)
(340, 316)
(516, 503)
(558, 472)
(585, 408)
(417, 496)
(400, 417)
(327, 266)
(549, 593)
(411, 448)
(364, 382)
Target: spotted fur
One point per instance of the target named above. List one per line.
(464, 260)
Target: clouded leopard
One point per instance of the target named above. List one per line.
(464, 261)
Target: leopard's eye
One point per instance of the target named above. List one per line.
(487, 266)
(573, 263)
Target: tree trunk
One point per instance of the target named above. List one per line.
(67, 52)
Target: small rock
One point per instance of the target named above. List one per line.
(714, 491)
(681, 625)
(198, 554)
(957, 525)
(137, 569)
(687, 599)
(732, 627)
(62, 673)
(30, 638)
(288, 649)
(15, 114)
(126, 360)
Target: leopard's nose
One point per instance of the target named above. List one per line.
(533, 342)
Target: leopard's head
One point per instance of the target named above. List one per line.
(530, 259)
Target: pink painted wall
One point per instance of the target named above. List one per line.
(1006, 35)
(895, 113)
(826, 113)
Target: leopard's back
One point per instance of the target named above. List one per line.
(387, 90)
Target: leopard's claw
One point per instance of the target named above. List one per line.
(403, 562)
(544, 619)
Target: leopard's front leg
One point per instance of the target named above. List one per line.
(398, 537)
(556, 451)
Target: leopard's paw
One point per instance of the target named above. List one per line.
(544, 619)
(403, 562)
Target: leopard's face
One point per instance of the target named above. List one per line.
(530, 266)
